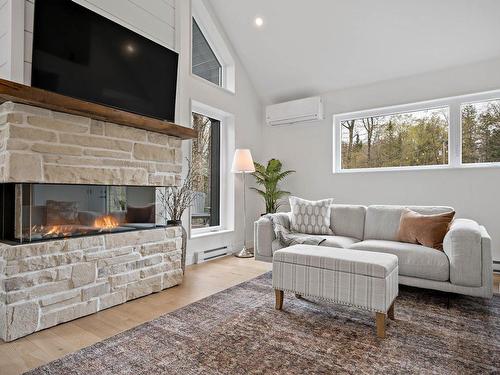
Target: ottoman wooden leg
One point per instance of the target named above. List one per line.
(279, 298)
(390, 312)
(380, 319)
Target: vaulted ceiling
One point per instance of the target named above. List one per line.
(307, 47)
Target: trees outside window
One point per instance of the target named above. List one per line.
(417, 138)
(205, 161)
(481, 132)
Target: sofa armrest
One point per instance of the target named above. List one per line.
(463, 244)
(264, 235)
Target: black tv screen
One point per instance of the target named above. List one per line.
(81, 54)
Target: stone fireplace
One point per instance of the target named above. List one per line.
(79, 226)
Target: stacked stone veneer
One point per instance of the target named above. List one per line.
(39, 145)
(47, 283)
(44, 284)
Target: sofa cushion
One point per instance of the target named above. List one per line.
(348, 220)
(338, 241)
(382, 222)
(334, 259)
(414, 260)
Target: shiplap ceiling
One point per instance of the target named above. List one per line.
(307, 47)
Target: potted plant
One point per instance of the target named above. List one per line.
(269, 177)
(174, 201)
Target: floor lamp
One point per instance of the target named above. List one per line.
(243, 163)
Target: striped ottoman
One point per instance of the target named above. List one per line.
(363, 279)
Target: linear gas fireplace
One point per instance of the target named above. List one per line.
(38, 212)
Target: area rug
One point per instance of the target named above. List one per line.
(238, 331)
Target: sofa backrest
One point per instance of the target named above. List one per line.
(382, 222)
(348, 220)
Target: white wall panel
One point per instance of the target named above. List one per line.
(27, 73)
(141, 19)
(12, 36)
(29, 11)
(4, 49)
(4, 17)
(28, 46)
(4, 35)
(158, 8)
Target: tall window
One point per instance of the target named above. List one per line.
(481, 132)
(205, 210)
(461, 131)
(396, 140)
(205, 62)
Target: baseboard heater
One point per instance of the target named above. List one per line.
(206, 255)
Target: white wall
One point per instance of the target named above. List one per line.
(246, 108)
(307, 148)
(168, 22)
(11, 39)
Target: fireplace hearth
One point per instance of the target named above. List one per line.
(39, 212)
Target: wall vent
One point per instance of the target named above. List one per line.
(206, 255)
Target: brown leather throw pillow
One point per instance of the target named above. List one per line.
(426, 230)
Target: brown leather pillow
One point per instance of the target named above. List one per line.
(145, 214)
(426, 230)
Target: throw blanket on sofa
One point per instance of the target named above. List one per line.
(288, 238)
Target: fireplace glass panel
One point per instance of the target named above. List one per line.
(37, 212)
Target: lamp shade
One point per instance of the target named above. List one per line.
(242, 162)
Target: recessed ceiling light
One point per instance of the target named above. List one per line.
(259, 21)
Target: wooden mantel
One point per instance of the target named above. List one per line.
(17, 93)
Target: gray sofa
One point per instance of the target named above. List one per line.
(465, 266)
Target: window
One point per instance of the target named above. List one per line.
(396, 140)
(205, 63)
(462, 131)
(211, 58)
(205, 209)
(481, 132)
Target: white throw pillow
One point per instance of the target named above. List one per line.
(311, 217)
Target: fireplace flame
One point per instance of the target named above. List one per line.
(107, 222)
(53, 230)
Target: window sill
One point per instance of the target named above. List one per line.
(422, 168)
(211, 84)
(210, 233)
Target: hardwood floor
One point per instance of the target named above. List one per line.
(200, 281)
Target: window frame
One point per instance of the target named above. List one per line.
(226, 182)
(213, 184)
(454, 105)
(222, 69)
(201, 14)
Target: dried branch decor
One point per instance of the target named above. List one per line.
(176, 199)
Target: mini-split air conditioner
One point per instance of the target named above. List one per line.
(302, 110)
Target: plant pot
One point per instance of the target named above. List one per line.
(178, 223)
(174, 223)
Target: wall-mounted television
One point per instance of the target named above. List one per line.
(82, 54)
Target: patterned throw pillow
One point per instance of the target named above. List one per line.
(311, 217)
